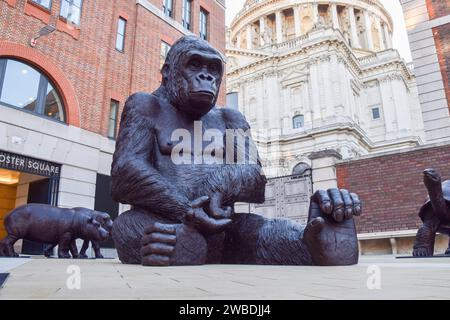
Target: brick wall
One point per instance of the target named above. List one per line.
(442, 39)
(438, 8)
(391, 186)
(86, 55)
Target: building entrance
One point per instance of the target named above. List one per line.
(26, 180)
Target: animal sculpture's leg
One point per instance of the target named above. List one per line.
(97, 251)
(447, 252)
(48, 250)
(424, 245)
(64, 246)
(8, 246)
(82, 254)
(73, 249)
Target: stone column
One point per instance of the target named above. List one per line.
(380, 33)
(238, 40)
(323, 165)
(334, 15)
(387, 35)
(315, 13)
(262, 30)
(279, 26)
(368, 26)
(249, 37)
(353, 30)
(298, 30)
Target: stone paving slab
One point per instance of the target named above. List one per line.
(109, 279)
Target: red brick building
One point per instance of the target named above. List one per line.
(61, 95)
(391, 187)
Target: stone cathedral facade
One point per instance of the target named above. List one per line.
(319, 81)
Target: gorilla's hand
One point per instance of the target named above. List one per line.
(215, 221)
(158, 244)
(330, 234)
(216, 209)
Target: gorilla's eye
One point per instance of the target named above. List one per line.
(195, 64)
(214, 68)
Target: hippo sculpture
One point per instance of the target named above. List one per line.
(51, 225)
(105, 221)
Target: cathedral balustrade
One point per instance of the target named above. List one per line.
(269, 24)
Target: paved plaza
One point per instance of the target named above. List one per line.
(40, 278)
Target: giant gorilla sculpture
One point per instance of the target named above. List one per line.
(182, 212)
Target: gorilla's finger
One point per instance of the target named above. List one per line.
(357, 205)
(228, 212)
(200, 202)
(161, 228)
(314, 211)
(348, 204)
(157, 248)
(155, 260)
(158, 237)
(315, 226)
(211, 224)
(324, 201)
(338, 204)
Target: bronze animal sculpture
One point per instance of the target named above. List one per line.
(435, 214)
(182, 212)
(101, 217)
(47, 224)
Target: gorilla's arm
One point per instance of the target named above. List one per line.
(134, 179)
(237, 181)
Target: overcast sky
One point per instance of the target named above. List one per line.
(393, 6)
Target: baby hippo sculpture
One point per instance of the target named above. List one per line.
(101, 217)
(51, 225)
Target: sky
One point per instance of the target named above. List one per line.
(400, 40)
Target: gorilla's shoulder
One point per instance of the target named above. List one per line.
(143, 103)
(233, 118)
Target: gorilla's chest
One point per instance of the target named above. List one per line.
(194, 138)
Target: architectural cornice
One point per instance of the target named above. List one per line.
(383, 62)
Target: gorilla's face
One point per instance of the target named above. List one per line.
(192, 75)
(202, 73)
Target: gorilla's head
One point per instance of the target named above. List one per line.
(191, 76)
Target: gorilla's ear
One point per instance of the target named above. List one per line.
(165, 71)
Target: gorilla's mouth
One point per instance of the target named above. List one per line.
(204, 93)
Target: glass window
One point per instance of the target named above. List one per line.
(22, 86)
(112, 125)
(45, 3)
(376, 113)
(71, 10)
(187, 9)
(204, 24)
(298, 121)
(53, 107)
(168, 7)
(165, 47)
(120, 40)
